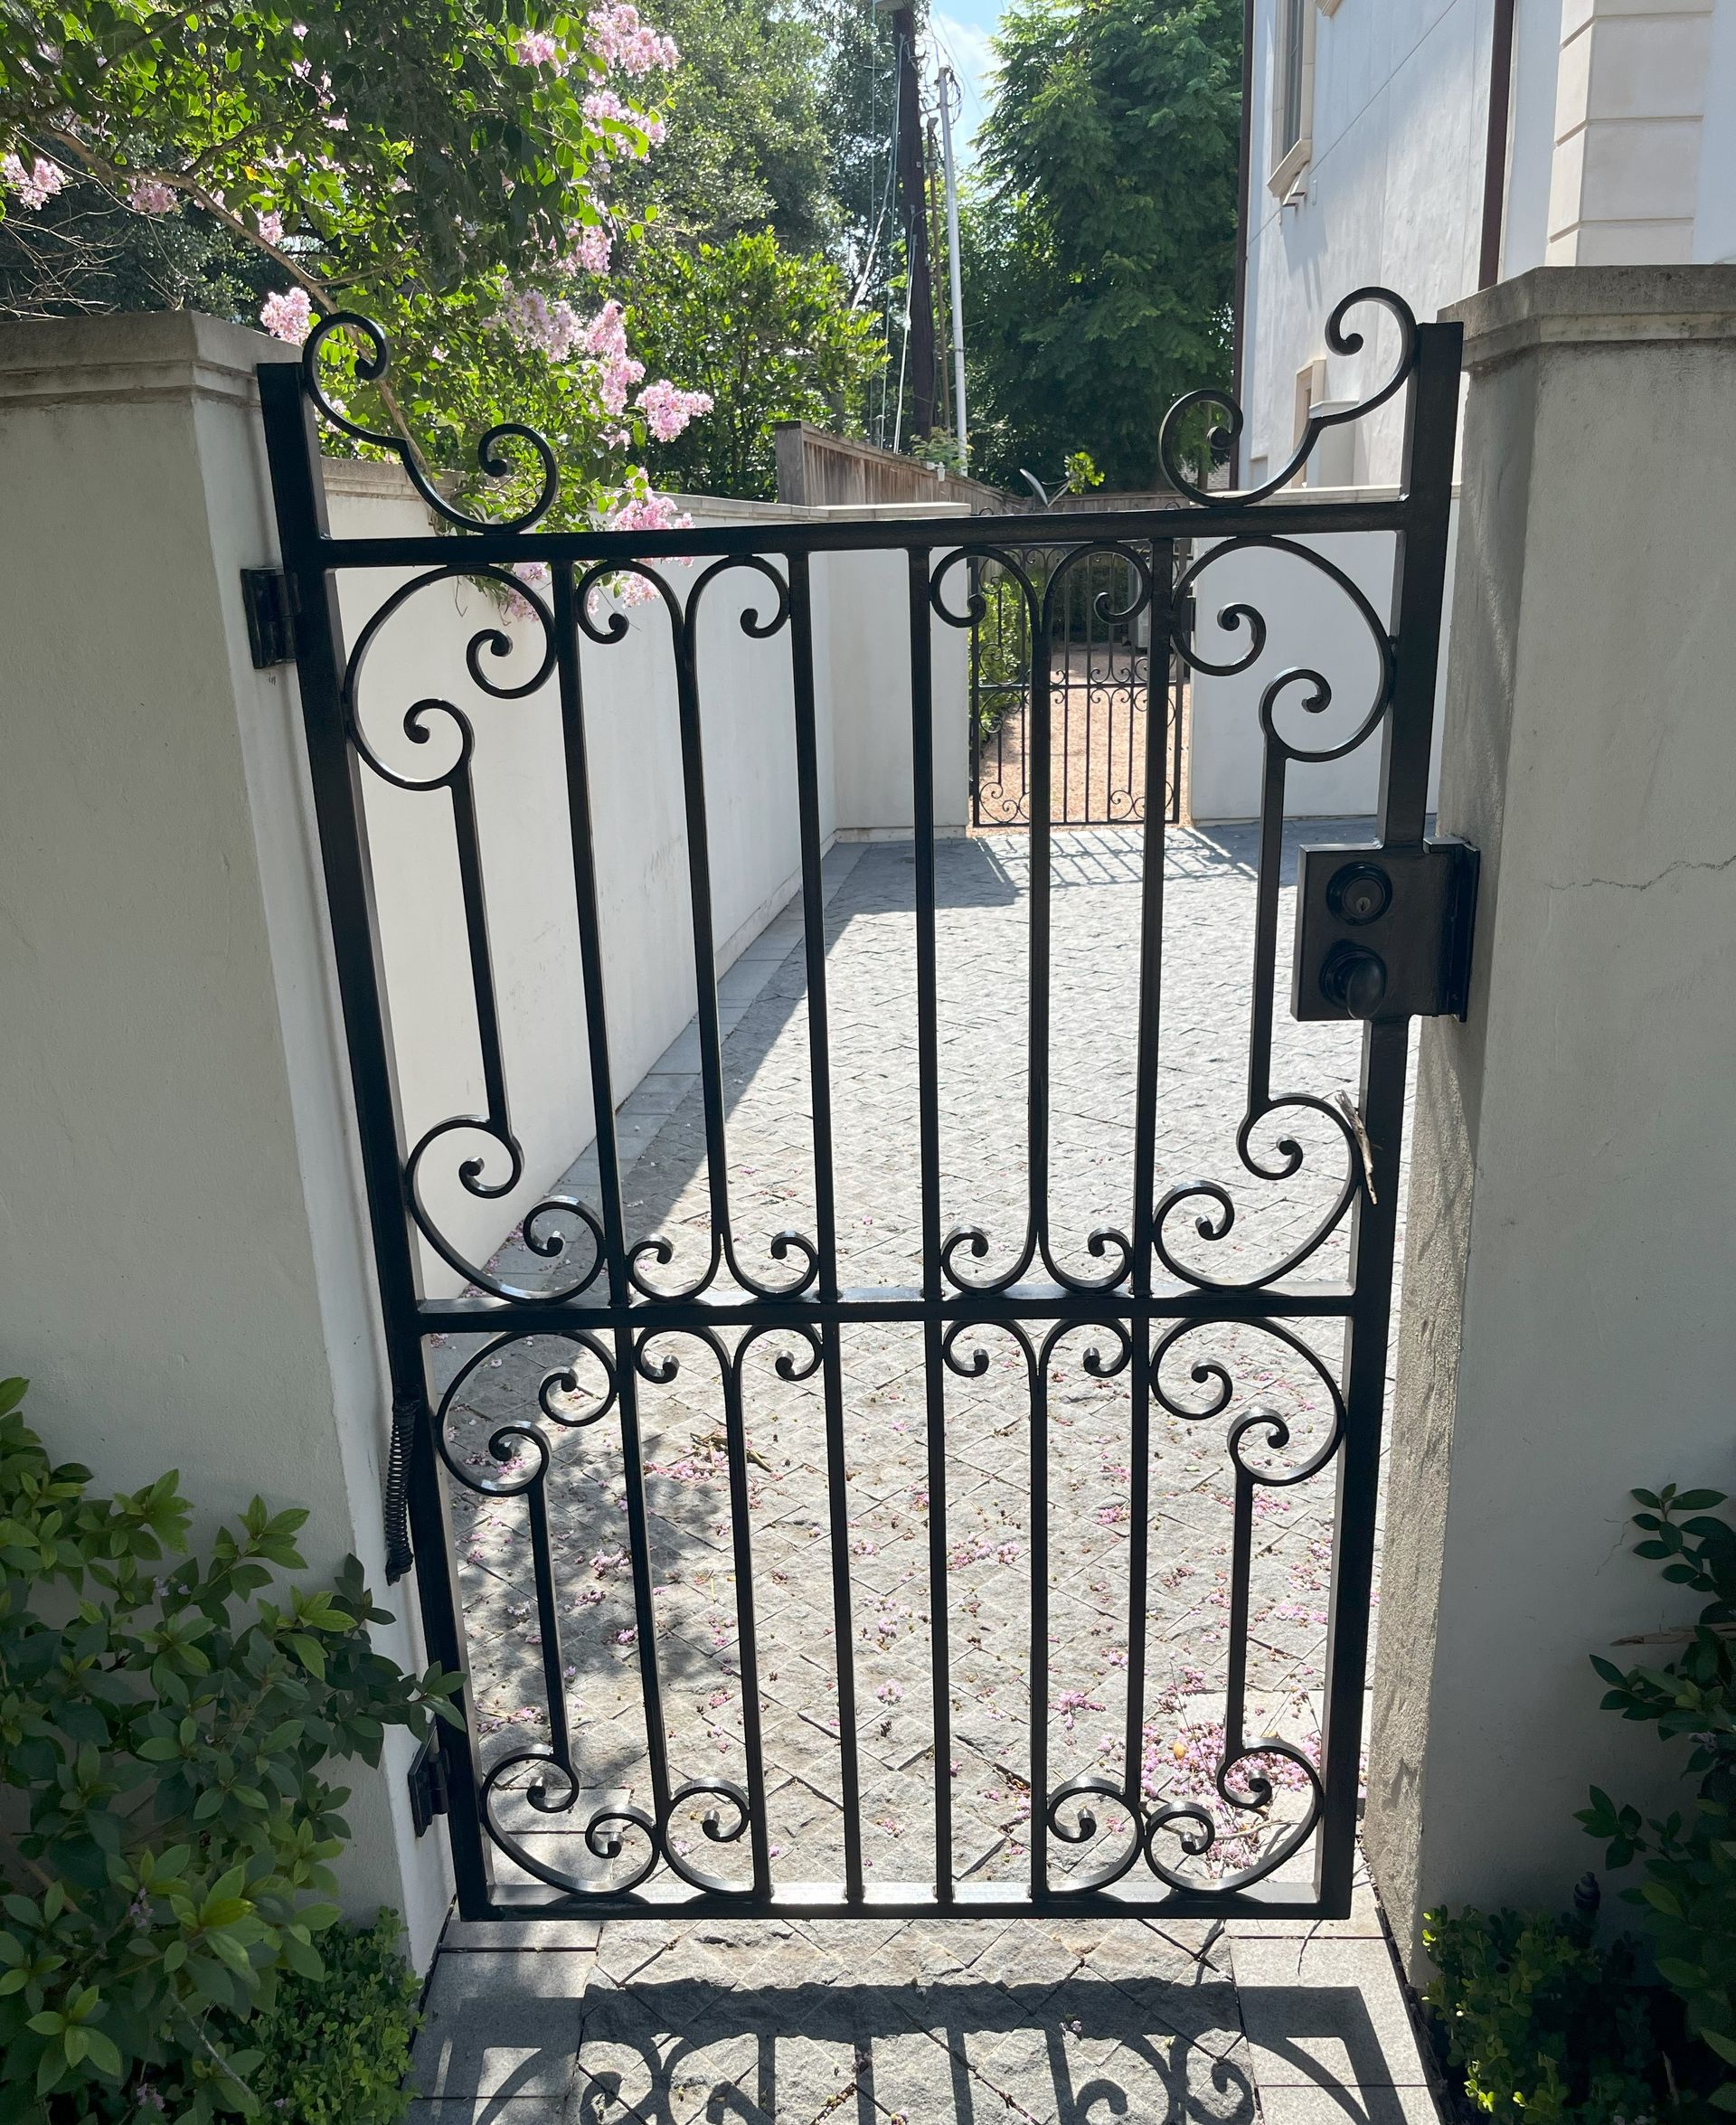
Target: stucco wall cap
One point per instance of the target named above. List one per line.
(1596, 306)
(154, 355)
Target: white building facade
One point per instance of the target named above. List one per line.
(1435, 147)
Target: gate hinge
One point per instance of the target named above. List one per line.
(268, 603)
(400, 1557)
(429, 1796)
(1384, 934)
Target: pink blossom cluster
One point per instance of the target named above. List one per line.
(649, 513)
(667, 410)
(617, 370)
(554, 327)
(36, 186)
(537, 48)
(977, 1549)
(290, 315)
(150, 195)
(1070, 1702)
(272, 227)
(591, 248)
(534, 572)
(603, 105)
(619, 38)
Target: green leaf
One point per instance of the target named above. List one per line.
(104, 2054)
(1686, 1976)
(309, 1651)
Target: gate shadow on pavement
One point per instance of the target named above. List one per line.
(938, 2023)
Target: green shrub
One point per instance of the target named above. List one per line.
(336, 2048)
(164, 1737)
(1002, 652)
(1543, 2024)
(1689, 1891)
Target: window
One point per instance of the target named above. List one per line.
(1289, 123)
(1292, 94)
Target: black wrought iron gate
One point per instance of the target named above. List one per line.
(539, 1827)
(1083, 631)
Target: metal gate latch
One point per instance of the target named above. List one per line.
(427, 1780)
(1384, 934)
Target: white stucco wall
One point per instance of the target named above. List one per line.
(1567, 1331)
(861, 626)
(1311, 624)
(1392, 192)
(184, 1276)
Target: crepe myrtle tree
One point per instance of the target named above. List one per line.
(444, 169)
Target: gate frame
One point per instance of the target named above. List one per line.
(312, 560)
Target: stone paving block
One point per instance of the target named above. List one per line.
(487, 2109)
(1339, 2104)
(659, 1092)
(1319, 2009)
(501, 2027)
(518, 1937)
(1364, 1922)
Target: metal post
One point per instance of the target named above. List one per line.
(947, 83)
(918, 292)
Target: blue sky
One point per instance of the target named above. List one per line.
(960, 31)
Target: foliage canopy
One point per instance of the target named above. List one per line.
(1099, 236)
(769, 335)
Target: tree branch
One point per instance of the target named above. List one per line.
(106, 172)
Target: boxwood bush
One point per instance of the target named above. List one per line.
(168, 1731)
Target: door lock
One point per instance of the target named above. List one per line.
(1359, 892)
(1354, 979)
(1384, 934)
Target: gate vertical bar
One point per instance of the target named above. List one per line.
(1418, 580)
(292, 449)
(576, 752)
(825, 1219)
(1037, 1371)
(977, 578)
(1176, 684)
(927, 1047)
(1146, 1057)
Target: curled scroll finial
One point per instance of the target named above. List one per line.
(494, 461)
(1228, 430)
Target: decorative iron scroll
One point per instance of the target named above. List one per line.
(1316, 424)
(373, 367)
(546, 1360)
(632, 1842)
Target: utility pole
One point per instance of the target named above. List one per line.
(931, 168)
(914, 215)
(955, 283)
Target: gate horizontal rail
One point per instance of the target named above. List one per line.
(617, 1302)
